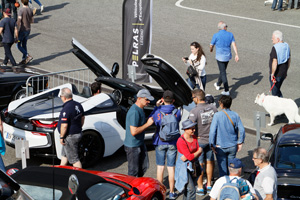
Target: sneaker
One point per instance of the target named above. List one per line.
(225, 93)
(208, 189)
(3, 65)
(34, 11)
(200, 192)
(216, 86)
(28, 59)
(42, 8)
(173, 195)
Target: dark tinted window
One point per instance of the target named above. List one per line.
(288, 157)
(104, 191)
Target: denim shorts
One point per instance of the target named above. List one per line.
(70, 149)
(206, 153)
(166, 150)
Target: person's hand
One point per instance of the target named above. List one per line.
(184, 60)
(236, 58)
(62, 141)
(214, 150)
(16, 40)
(150, 121)
(239, 147)
(159, 102)
(273, 78)
(183, 158)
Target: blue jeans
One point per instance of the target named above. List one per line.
(36, 1)
(2, 166)
(22, 43)
(223, 155)
(276, 89)
(163, 151)
(138, 161)
(222, 77)
(192, 82)
(189, 192)
(275, 3)
(295, 4)
(203, 81)
(207, 153)
(8, 54)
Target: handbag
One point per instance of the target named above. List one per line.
(195, 164)
(191, 72)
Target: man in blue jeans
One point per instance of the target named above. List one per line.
(165, 149)
(224, 138)
(134, 145)
(279, 63)
(223, 41)
(25, 18)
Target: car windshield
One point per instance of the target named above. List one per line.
(104, 191)
(288, 157)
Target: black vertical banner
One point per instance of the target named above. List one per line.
(137, 37)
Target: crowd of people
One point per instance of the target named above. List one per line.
(16, 29)
(207, 134)
(278, 5)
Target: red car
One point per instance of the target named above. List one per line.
(71, 183)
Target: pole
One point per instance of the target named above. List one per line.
(257, 122)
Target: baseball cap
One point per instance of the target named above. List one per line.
(7, 11)
(235, 163)
(145, 93)
(168, 95)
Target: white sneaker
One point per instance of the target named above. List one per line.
(225, 93)
(216, 86)
(42, 8)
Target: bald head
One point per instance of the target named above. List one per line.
(222, 25)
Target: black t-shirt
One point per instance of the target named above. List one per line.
(8, 24)
(281, 70)
(71, 114)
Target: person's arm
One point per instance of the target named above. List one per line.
(289, 60)
(16, 34)
(63, 132)
(211, 48)
(235, 51)
(82, 120)
(1, 29)
(137, 130)
(269, 197)
(274, 66)
(1, 127)
(242, 134)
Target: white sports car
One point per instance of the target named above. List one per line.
(34, 118)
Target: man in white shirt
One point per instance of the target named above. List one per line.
(235, 170)
(265, 183)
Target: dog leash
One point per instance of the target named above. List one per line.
(274, 81)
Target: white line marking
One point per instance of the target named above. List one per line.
(178, 4)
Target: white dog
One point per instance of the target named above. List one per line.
(277, 106)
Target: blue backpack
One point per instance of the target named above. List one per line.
(169, 127)
(235, 191)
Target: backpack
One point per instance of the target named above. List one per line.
(235, 191)
(169, 127)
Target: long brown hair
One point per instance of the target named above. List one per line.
(200, 50)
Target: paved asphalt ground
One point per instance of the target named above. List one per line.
(98, 26)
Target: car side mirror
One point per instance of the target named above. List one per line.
(117, 197)
(73, 184)
(267, 136)
(115, 69)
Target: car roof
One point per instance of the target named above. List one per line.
(290, 134)
(44, 176)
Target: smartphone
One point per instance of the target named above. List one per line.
(186, 58)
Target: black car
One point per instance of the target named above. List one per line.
(284, 153)
(13, 83)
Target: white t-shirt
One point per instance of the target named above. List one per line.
(220, 182)
(200, 65)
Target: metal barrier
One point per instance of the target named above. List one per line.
(79, 77)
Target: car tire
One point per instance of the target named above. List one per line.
(90, 148)
(21, 93)
(157, 196)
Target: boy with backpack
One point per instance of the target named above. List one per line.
(166, 118)
(232, 186)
